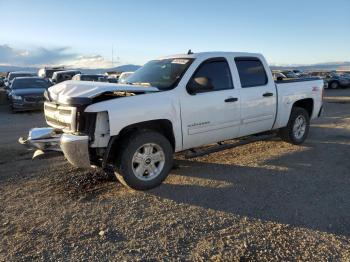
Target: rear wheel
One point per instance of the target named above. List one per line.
(334, 85)
(12, 109)
(145, 160)
(298, 127)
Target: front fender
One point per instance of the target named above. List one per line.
(126, 111)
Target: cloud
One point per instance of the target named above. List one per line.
(41, 56)
(93, 61)
(37, 56)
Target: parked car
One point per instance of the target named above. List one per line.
(27, 93)
(289, 74)
(12, 75)
(112, 80)
(2, 81)
(60, 76)
(47, 72)
(336, 80)
(173, 104)
(297, 71)
(90, 77)
(277, 75)
(123, 76)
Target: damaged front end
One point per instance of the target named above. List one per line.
(75, 148)
(81, 136)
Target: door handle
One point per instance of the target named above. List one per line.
(267, 94)
(231, 99)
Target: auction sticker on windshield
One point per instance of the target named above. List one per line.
(180, 61)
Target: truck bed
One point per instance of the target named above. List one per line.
(291, 90)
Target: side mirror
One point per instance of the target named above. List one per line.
(199, 84)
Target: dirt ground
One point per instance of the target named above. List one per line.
(265, 201)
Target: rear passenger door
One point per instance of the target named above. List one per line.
(258, 96)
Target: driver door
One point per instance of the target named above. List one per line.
(211, 114)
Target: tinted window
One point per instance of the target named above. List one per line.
(251, 72)
(89, 77)
(30, 83)
(164, 74)
(218, 72)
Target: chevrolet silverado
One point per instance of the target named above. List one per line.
(173, 104)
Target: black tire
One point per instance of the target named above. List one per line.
(287, 134)
(124, 162)
(12, 109)
(334, 85)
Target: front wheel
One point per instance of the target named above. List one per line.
(297, 128)
(145, 160)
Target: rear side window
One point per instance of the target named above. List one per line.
(251, 72)
(218, 72)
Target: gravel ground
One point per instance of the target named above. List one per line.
(266, 201)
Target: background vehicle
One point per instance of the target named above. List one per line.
(2, 81)
(289, 74)
(47, 72)
(297, 72)
(284, 74)
(336, 80)
(27, 93)
(90, 77)
(12, 75)
(173, 104)
(112, 80)
(123, 76)
(60, 76)
(277, 75)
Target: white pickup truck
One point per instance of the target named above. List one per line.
(172, 104)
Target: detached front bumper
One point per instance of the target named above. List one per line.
(75, 148)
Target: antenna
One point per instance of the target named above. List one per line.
(112, 56)
(118, 58)
(190, 52)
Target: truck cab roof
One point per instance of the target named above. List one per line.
(212, 54)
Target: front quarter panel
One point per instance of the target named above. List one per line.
(125, 111)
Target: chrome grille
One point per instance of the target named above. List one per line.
(60, 117)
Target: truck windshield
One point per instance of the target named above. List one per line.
(164, 74)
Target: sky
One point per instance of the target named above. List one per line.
(83, 33)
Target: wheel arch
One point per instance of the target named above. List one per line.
(163, 126)
(333, 81)
(307, 104)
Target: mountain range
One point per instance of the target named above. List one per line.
(315, 67)
(123, 68)
(130, 67)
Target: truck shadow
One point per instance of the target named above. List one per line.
(309, 189)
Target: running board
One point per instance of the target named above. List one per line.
(220, 147)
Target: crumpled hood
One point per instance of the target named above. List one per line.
(86, 90)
